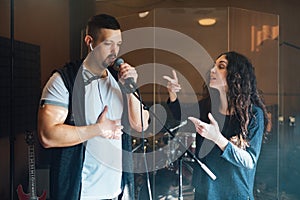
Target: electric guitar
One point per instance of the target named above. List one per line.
(32, 181)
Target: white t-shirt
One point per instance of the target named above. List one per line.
(102, 167)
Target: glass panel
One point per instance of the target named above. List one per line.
(255, 34)
(289, 117)
(178, 42)
(171, 38)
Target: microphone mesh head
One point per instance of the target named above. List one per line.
(118, 62)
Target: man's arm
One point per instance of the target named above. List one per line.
(54, 133)
(134, 113)
(134, 107)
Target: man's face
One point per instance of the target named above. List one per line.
(107, 46)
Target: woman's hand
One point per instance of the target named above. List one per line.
(173, 86)
(210, 131)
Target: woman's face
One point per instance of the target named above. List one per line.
(218, 74)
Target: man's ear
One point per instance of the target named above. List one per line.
(88, 40)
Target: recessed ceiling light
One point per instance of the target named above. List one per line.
(207, 21)
(143, 14)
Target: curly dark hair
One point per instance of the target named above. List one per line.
(242, 94)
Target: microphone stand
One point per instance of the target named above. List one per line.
(180, 196)
(189, 152)
(12, 130)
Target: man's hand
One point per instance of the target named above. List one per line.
(127, 71)
(111, 129)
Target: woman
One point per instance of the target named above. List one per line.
(243, 116)
(236, 127)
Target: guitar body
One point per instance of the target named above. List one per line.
(23, 196)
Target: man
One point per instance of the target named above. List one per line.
(85, 119)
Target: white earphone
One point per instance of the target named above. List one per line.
(91, 47)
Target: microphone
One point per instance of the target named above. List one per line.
(179, 126)
(117, 63)
(129, 84)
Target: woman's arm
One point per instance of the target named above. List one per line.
(248, 158)
(242, 158)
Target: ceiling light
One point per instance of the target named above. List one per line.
(207, 21)
(143, 14)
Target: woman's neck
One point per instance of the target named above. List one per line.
(223, 108)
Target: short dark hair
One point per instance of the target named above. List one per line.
(100, 21)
